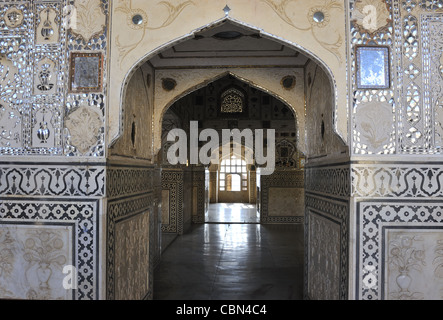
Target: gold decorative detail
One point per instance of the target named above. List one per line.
(371, 15)
(84, 128)
(143, 25)
(14, 17)
(315, 6)
(89, 20)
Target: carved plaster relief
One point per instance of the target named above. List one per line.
(89, 19)
(132, 257)
(32, 261)
(414, 264)
(373, 121)
(137, 19)
(47, 27)
(84, 126)
(324, 258)
(317, 19)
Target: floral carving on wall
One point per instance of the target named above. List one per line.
(318, 21)
(137, 19)
(374, 124)
(405, 257)
(88, 19)
(84, 125)
(7, 259)
(43, 253)
(371, 15)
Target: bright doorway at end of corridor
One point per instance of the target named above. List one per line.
(232, 213)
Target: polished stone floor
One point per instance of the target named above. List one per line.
(232, 212)
(233, 262)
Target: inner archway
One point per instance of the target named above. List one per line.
(288, 85)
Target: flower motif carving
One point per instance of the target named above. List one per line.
(89, 19)
(84, 127)
(404, 256)
(374, 123)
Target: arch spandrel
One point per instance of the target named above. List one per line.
(166, 23)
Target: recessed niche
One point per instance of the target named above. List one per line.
(169, 84)
(288, 82)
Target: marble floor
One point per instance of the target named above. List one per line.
(232, 262)
(233, 213)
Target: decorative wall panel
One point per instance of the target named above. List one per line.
(279, 179)
(199, 192)
(117, 263)
(32, 260)
(398, 249)
(68, 228)
(327, 194)
(35, 48)
(132, 257)
(173, 182)
(326, 254)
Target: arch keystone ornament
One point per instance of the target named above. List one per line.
(84, 126)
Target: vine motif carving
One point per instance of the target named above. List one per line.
(315, 27)
(90, 19)
(143, 23)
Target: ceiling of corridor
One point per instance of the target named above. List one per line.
(228, 45)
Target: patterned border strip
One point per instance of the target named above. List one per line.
(128, 181)
(338, 209)
(173, 181)
(199, 181)
(333, 180)
(371, 217)
(397, 180)
(118, 210)
(81, 212)
(52, 180)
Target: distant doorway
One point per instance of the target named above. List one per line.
(232, 213)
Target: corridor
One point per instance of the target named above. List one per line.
(233, 262)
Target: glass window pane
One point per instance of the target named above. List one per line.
(222, 176)
(222, 188)
(228, 162)
(235, 182)
(244, 176)
(222, 169)
(222, 183)
(244, 183)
